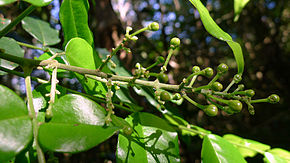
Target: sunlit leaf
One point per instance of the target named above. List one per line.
(15, 125)
(238, 7)
(281, 153)
(272, 158)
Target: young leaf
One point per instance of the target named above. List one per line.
(11, 47)
(40, 30)
(15, 125)
(217, 32)
(238, 7)
(153, 140)
(272, 158)
(77, 125)
(74, 20)
(281, 153)
(217, 149)
(80, 53)
(250, 146)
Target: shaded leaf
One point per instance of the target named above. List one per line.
(217, 149)
(41, 30)
(153, 140)
(217, 32)
(4, 22)
(238, 7)
(80, 116)
(15, 125)
(74, 20)
(11, 47)
(80, 53)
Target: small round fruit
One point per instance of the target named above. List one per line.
(154, 26)
(211, 110)
(228, 110)
(165, 96)
(160, 59)
(208, 72)
(175, 42)
(222, 68)
(235, 105)
(128, 130)
(195, 69)
(163, 78)
(273, 99)
(216, 86)
(237, 78)
(250, 92)
(176, 96)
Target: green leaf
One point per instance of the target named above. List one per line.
(153, 140)
(281, 153)
(77, 125)
(80, 53)
(247, 147)
(6, 2)
(41, 30)
(217, 149)
(217, 32)
(74, 20)
(11, 47)
(39, 3)
(272, 158)
(15, 125)
(238, 7)
(4, 22)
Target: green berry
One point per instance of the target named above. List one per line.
(154, 26)
(174, 42)
(241, 87)
(235, 105)
(176, 96)
(165, 96)
(222, 68)
(160, 59)
(195, 69)
(163, 78)
(237, 78)
(250, 92)
(228, 110)
(208, 72)
(211, 110)
(128, 130)
(216, 86)
(273, 99)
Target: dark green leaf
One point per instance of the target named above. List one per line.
(11, 47)
(15, 125)
(4, 22)
(248, 145)
(80, 116)
(74, 20)
(40, 30)
(153, 140)
(217, 32)
(272, 158)
(217, 149)
(238, 7)
(80, 53)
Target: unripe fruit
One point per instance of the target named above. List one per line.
(154, 26)
(208, 72)
(222, 68)
(160, 59)
(176, 96)
(175, 42)
(237, 78)
(195, 69)
(216, 86)
(273, 99)
(250, 92)
(211, 110)
(128, 130)
(235, 105)
(228, 110)
(163, 78)
(165, 96)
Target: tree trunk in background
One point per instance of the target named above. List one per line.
(104, 23)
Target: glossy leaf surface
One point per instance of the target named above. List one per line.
(74, 20)
(272, 158)
(15, 124)
(248, 145)
(217, 149)
(77, 125)
(238, 7)
(80, 53)
(217, 32)
(4, 22)
(41, 30)
(11, 47)
(153, 140)
(39, 3)
(281, 153)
